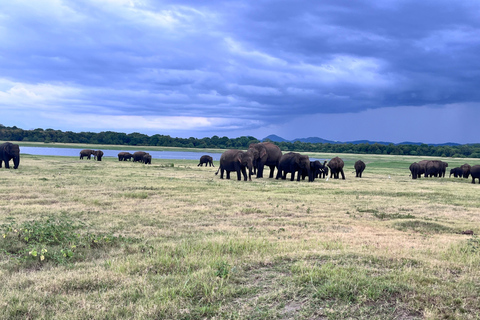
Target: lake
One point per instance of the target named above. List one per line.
(72, 152)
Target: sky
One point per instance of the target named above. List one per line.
(343, 70)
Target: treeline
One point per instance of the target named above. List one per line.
(139, 139)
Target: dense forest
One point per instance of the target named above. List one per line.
(138, 139)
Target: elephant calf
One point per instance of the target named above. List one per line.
(207, 160)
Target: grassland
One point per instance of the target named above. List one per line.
(119, 240)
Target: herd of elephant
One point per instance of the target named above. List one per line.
(437, 168)
(97, 154)
(266, 154)
(139, 156)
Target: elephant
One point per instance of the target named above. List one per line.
(318, 169)
(475, 172)
(294, 162)
(414, 170)
(359, 167)
(124, 156)
(138, 156)
(265, 154)
(336, 167)
(207, 160)
(457, 172)
(422, 168)
(86, 153)
(443, 170)
(435, 168)
(236, 160)
(465, 170)
(98, 154)
(147, 158)
(9, 151)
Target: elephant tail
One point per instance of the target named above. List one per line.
(217, 171)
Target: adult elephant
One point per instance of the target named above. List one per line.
(457, 172)
(434, 168)
(422, 168)
(465, 170)
(336, 167)
(443, 168)
(359, 167)
(138, 156)
(414, 170)
(475, 172)
(9, 151)
(292, 163)
(238, 161)
(98, 154)
(86, 153)
(147, 159)
(265, 154)
(207, 160)
(124, 156)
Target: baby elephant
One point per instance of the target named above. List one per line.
(207, 160)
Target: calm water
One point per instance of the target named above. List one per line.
(68, 152)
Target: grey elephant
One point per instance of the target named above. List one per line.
(147, 158)
(435, 168)
(265, 154)
(124, 156)
(422, 168)
(317, 168)
(97, 154)
(238, 161)
(465, 170)
(138, 156)
(86, 153)
(414, 170)
(292, 163)
(336, 167)
(475, 172)
(9, 151)
(457, 172)
(359, 168)
(207, 160)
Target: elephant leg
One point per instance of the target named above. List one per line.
(260, 170)
(221, 173)
(239, 174)
(272, 169)
(343, 175)
(228, 174)
(244, 172)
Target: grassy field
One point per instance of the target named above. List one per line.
(119, 240)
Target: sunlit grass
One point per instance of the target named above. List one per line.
(194, 246)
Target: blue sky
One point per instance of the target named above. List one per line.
(340, 70)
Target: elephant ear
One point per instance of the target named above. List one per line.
(263, 153)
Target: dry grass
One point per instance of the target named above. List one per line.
(196, 247)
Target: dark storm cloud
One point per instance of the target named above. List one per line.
(231, 65)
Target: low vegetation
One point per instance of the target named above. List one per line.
(122, 240)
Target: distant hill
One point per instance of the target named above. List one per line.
(276, 138)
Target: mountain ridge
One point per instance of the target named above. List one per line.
(276, 138)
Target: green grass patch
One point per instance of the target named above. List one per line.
(51, 240)
(422, 227)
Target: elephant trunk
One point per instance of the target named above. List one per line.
(16, 161)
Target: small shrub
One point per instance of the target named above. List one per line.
(54, 240)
